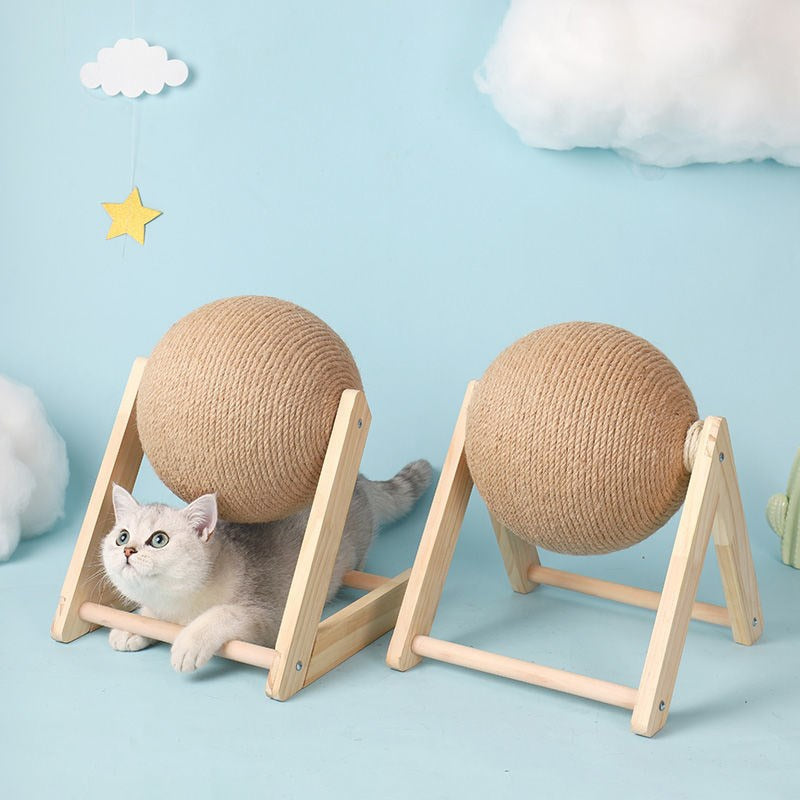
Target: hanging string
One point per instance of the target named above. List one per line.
(134, 123)
(134, 138)
(134, 109)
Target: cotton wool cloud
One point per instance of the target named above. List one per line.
(33, 467)
(132, 66)
(663, 83)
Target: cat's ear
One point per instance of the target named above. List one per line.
(202, 515)
(123, 501)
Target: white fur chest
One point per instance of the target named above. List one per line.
(173, 602)
(182, 609)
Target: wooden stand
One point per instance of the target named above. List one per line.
(712, 504)
(306, 648)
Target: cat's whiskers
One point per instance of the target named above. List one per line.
(101, 582)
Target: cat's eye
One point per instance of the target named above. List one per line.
(123, 537)
(158, 539)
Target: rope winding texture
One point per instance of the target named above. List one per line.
(575, 438)
(239, 398)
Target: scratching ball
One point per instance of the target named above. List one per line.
(575, 438)
(239, 398)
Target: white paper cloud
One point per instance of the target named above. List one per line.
(33, 467)
(131, 66)
(665, 83)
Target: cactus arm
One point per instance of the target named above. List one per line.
(777, 508)
(790, 543)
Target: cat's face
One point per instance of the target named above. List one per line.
(154, 552)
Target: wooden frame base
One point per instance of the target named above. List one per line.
(307, 647)
(712, 506)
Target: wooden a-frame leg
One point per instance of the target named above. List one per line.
(436, 547)
(733, 551)
(321, 542)
(518, 557)
(120, 464)
(712, 501)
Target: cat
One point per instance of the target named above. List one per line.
(224, 580)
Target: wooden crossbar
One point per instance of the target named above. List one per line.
(615, 694)
(353, 627)
(621, 593)
(108, 617)
(338, 636)
(355, 579)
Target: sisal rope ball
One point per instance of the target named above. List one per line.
(575, 438)
(239, 398)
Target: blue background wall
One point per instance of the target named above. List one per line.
(338, 155)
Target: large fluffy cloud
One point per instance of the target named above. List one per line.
(665, 83)
(33, 467)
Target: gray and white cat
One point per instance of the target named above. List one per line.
(223, 580)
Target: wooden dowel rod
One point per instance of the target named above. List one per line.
(614, 694)
(631, 595)
(246, 653)
(356, 579)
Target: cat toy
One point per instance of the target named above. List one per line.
(260, 401)
(583, 438)
(783, 515)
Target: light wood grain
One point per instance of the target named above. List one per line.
(120, 464)
(323, 535)
(560, 680)
(732, 546)
(518, 556)
(680, 586)
(356, 579)
(354, 627)
(245, 652)
(435, 549)
(621, 593)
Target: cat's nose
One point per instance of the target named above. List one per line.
(129, 551)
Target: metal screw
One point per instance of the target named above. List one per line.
(662, 705)
(360, 423)
(298, 666)
(755, 622)
(721, 457)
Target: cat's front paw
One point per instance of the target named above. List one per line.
(127, 642)
(192, 649)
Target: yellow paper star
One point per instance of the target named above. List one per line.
(129, 217)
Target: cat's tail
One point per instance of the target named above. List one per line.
(394, 498)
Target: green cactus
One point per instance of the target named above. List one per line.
(783, 515)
